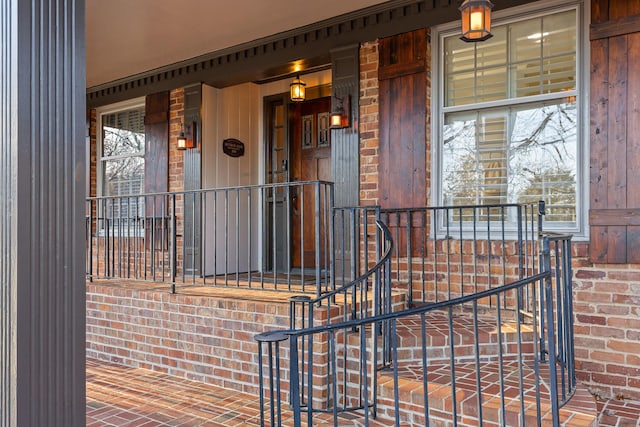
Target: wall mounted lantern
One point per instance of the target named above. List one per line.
(297, 89)
(182, 139)
(340, 112)
(187, 139)
(476, 20)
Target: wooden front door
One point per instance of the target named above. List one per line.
(310, 151)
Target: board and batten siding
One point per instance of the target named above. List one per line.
(402, 74)
(230, 113)
(614, 215)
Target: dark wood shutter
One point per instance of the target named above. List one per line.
(156, 166)
(614, 216)
(402, 160)
(156, 157)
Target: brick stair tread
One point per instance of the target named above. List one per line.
(409, 338)
(580, 411)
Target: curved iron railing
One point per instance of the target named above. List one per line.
(473, 358)
(367, 296)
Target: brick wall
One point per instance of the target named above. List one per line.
(607, 325)
(369, 142)
(206, 336)
(176, 162)
(176, 167)
(195, 337)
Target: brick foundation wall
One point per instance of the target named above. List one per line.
(196, 337)
(207, 337)
(607, 325)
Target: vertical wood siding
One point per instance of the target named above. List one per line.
(615, 154)
(345, 159)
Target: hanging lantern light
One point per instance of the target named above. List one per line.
(297, 89)
(476, 20)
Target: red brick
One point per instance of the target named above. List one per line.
(589, 274)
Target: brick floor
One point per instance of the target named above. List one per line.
(619, 413)
(124, 396)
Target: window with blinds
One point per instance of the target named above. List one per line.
(122, 152)
(509, 117)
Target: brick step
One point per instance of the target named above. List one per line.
(580, 411)
(439, 339)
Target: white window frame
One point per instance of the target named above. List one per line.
(533, 10)
(100, 112)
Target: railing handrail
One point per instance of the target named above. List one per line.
(218, 189)
(451, 207)
(373, 270)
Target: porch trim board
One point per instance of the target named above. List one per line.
(272, 56)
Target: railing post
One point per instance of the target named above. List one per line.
(273, 339)
(568, 289)
(544, 266)
(551, 344)
(303, 300)
(294, 380)
(332, 259)
(317, 238)
(174, 245)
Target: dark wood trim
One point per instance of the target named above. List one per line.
(614, 28)
(614, 217)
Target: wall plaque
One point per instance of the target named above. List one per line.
(233, 147)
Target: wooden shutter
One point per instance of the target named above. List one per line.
(156, 158)
(402, 160)
(614, 216)
(156, 166)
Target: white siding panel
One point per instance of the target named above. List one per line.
(231, 224)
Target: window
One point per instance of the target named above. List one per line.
(509, 117)
(121, 165)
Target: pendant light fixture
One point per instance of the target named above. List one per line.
(297, 89)
(476, 20)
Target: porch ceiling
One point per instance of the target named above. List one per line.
(125, 37)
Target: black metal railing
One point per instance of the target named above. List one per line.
(465, 360)
(452, 251)
(367, 296)
(273, 236)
